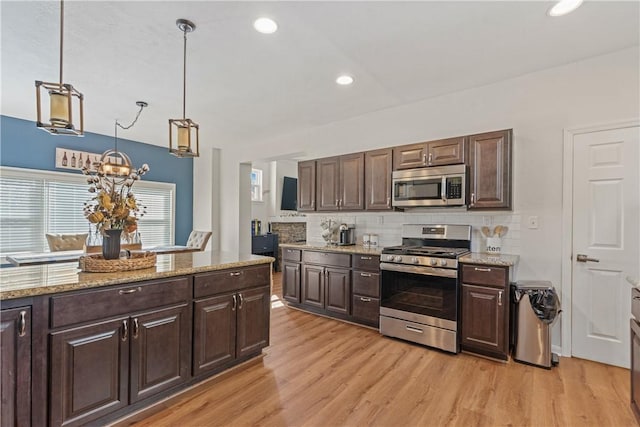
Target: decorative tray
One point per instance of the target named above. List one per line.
(97, 263)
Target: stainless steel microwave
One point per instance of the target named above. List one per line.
(441, 186)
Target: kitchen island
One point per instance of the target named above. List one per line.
(93, 347)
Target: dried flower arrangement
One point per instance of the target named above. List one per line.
(114, 205)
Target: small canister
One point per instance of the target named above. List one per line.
(373, 239)
(366, 240)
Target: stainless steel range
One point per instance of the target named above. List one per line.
(420, 297)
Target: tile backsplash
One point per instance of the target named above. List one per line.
(388, 226)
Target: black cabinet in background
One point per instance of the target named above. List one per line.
(267, 245)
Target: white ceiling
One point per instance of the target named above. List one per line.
(244, 87)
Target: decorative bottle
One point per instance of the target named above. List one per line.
(73, 160)
(64, 159)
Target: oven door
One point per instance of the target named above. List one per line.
(422, 294)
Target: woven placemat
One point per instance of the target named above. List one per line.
(97, 263)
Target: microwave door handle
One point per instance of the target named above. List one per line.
(443, 189)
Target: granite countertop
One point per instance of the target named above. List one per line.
(29, 281)
(352, 249)
(501, 260)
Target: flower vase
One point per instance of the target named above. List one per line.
(111, 243)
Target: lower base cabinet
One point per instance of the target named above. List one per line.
(15, 367)
(99, 368)
(230, 327)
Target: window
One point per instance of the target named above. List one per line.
(256, 185)
(34, 202)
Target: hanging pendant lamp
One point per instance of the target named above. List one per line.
(63, 100)
(184, 131)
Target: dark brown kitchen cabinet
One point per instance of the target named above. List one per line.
(377, 179)
(313, 285)
(485, 310)
(307, 186)
(291, 274)
(340, 183)
(338, 290)
(231, 317)
(366, 289)
(449, 151)
(326, 281)
(490, 170)
(15, 367)
(115, 346)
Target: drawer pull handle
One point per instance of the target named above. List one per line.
(365, 274)
(129, 291)
(241, 301)
(412, 329)
(125, 330)
(22, 325)
(365, 258)
(363, 299)
(482, 269)
(235, 273)
(235, 302)
(135, 327)
(500, 298)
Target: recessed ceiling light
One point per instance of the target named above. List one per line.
(265, 25)
(344, 80)
(563, 7)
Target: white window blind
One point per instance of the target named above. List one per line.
(33, 203)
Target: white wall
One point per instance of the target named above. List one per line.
(537, 106)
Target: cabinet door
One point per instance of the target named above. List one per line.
(484, 315)
(291, 282)
(377, 180)
(253, 320)
(89, 371)
(366, 309)
(307, 186)
(15, 367)
(160, 351)
(490, 170)
(351, 182)
(328, 184)
(446, 152)
(214, 332)
(410, 156)
(338, 290)
(313, 285)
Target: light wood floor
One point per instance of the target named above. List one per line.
(322, 372)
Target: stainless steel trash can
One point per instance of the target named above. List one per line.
(537, 307)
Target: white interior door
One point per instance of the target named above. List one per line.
(606, 228)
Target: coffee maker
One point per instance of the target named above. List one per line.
(347, 235)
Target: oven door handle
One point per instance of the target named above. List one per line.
(422, 270)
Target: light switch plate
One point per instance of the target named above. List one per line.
(533, 222)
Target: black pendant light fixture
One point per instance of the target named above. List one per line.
(184, 131)
(63, 100)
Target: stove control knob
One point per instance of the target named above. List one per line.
(390, 257)
(433, 261)
(398, 258)
(443, 262)
(415, 260)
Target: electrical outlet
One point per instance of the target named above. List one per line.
(533, 222)
(487, 220)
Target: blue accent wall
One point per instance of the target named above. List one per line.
(23, 145)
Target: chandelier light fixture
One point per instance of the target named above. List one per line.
(115, 165)
(63, 100)
(184, 131)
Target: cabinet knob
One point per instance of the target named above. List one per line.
(235, 302)
(430, 157)
(241, 301)
(235, 273)
(135, 327)
(473, 199)
(129, 291)
(487, 270)
(365, 258)
(125, 330)
(363, 299)
(500, 298)
(22, 324)
(365, 274)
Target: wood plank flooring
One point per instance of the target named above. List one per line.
(322, 372)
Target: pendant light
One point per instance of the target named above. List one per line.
(114, 164)
(63, 100)
(186, 131)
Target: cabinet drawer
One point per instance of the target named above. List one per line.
(366, 308)
(485, 275)
(113, 301)
(366, 262)
(291, 254)
(263, 243)
(327, 258)
(365, 283)
(230, 280)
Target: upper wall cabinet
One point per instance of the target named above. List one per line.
(340, 183)
(377, 179)
(490, 170)
(307, 186)
(449, 151)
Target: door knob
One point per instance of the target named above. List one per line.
(585, 258)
